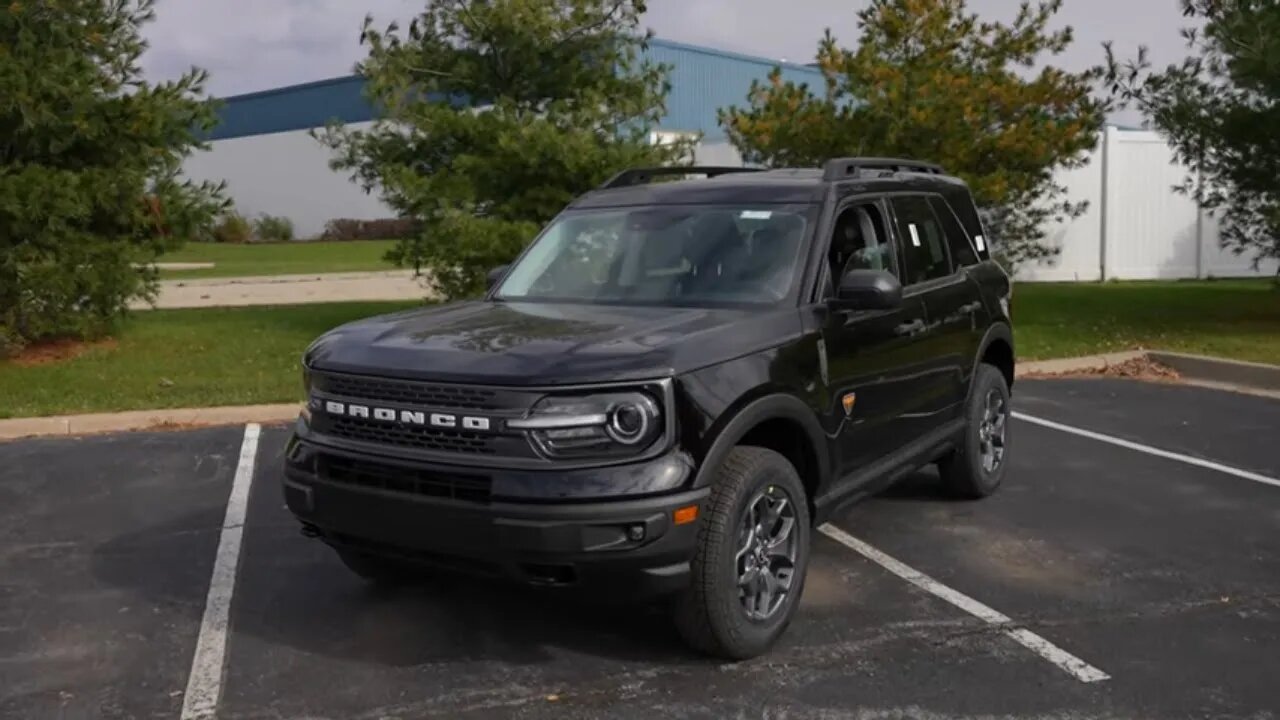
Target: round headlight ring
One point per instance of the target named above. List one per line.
(629, 421)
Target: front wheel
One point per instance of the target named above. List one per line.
(976, 468)
(749, 567)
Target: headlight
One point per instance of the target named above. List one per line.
(604, 425)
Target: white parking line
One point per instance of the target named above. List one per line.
(207, 668)
(1074, 666)
(1188, 459)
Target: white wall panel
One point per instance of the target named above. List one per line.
(1151, 230)
(1078, 258)
(285, 174)
(1219, 262)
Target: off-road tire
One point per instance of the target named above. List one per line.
(962, 471)
(709, 615)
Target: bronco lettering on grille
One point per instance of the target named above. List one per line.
(407, 417)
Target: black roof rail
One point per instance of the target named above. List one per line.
(839, 168)
(644, 176)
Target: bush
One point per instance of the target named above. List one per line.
(232, 228)
(382, 229)
(90, 167)
(273, 228)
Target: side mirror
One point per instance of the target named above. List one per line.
(494, 276)
(867, 290)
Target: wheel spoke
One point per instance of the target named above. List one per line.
(781, 538)
(773, 511)
(764, 596)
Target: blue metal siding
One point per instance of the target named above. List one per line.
(296, 107)
(702, 81)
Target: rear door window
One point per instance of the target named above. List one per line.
(924, 245)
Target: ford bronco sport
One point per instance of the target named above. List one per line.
(668, 389)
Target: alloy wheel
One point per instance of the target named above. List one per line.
(767, 549)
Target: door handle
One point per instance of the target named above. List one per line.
(910, 328)
(971, 308)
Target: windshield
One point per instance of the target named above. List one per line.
(664, 255)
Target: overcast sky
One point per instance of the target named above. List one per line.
(258, 44)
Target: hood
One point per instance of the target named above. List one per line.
(547, 344)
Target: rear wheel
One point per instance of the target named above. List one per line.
(378, 570)
(749, 567)
(976, 468)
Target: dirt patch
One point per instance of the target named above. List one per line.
(51, 351)
(1139, 368)
(174, 425)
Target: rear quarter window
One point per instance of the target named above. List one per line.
(961, 201)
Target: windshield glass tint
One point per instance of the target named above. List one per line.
(679, 255)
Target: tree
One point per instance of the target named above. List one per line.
(89, 161)
(494, 115)
(931, 81)
(1220, 111)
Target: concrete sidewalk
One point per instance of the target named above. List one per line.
(288, 290)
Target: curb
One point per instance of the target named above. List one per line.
(181, 418)
(1217, 370)
(1087, 363)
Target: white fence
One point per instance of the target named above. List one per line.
(1136, 227)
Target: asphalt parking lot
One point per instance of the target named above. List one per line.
(1161, 574)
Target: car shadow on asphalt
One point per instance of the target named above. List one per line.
(293, 595)
(922, 485)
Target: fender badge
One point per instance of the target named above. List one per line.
(848, 400)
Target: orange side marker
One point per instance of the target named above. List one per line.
(685, 515)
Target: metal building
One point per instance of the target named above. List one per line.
(262, 149)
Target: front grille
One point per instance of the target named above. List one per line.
(393, 478)
(413, 436)
(407, 392)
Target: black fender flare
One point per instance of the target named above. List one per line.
(997, 331)
(769, 407)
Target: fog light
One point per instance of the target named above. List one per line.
(635, 533)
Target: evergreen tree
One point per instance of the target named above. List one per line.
(494, 115)
(89, 160)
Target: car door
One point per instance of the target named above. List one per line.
(929, 280)
(956, 307)
(871, 372)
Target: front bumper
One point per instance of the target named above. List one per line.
(630, 547)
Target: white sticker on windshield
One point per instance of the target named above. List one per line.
(915, 234)
(755, 214)
(982, 244)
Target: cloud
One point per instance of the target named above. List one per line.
(258, 44)
(251, 45)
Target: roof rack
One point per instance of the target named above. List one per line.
(839, 168)
(644, 176)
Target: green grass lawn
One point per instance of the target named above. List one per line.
(280, 258)
(241, 356)
(182, 358)
(1237, 319)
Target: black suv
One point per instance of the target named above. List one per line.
(670, 387)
